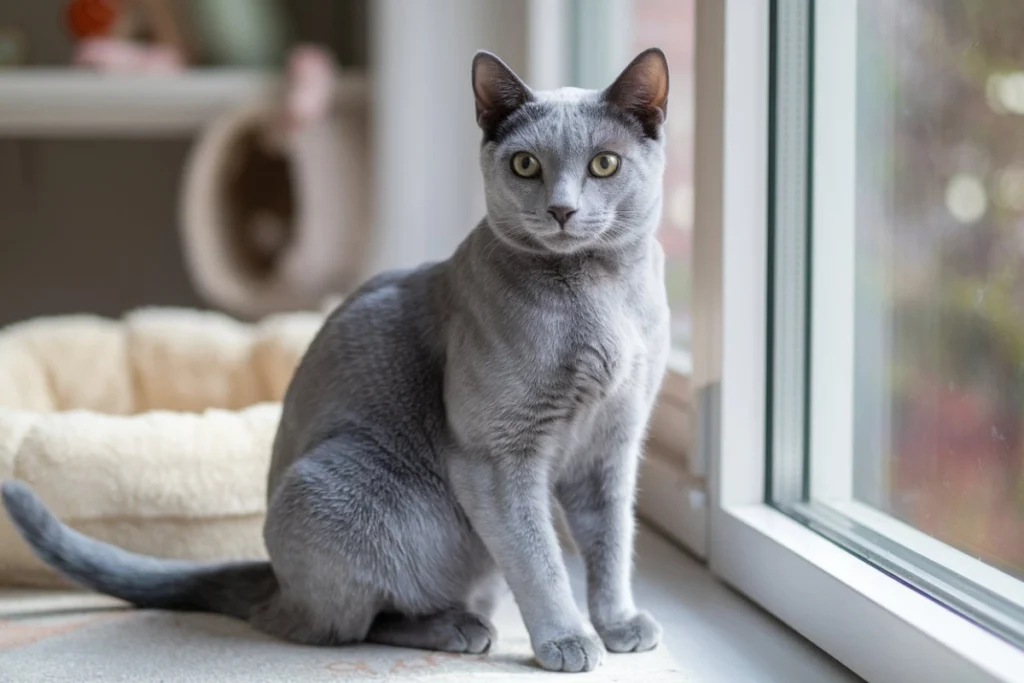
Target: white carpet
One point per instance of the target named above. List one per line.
(53, 637)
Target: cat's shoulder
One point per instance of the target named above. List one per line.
(388, 285)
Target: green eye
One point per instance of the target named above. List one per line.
(604, 165)
(525, 165)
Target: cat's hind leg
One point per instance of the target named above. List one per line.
(369, 546)
(331, 577)
(457, 629)
(453, 630)
(340, 619)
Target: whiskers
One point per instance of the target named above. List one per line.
(619, 243)
(512, 234)
(615, 232)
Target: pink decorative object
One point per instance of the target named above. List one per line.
(116, 55)
(310, 85)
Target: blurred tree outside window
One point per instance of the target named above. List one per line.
(940, 269)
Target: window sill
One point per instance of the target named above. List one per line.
(712, 632)
(887, 631)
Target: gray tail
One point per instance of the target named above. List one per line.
(234, 589)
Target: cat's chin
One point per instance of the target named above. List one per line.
(564, 243)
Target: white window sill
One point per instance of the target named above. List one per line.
(882, 628)
(712, 635)
(712, 632)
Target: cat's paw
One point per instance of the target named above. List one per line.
(469, 633)
(574, 653)
(637, 633)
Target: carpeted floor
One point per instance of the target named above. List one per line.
(53, 637)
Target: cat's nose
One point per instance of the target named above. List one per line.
(561, 213)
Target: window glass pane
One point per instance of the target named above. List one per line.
(940, 273)
(668, 24)
(896, 362)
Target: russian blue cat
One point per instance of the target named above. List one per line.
(441, 413)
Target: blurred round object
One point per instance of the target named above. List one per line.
(1005, 92)
(1010, 188)
(91, 18)
(1011, 92)
(966, 199)
(276, 220)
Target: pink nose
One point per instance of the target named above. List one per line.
(561, 213)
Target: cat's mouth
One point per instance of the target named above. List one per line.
(535, 235)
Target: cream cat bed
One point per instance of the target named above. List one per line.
(153, 432)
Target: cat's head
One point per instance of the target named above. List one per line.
(572, 169)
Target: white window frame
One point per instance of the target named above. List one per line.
(832, 465)
(875, 625)
(833, 213)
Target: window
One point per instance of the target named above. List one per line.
(863, 161)
(939, 288)
(894, 307)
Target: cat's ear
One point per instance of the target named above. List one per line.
(498, 91)
(642, 90)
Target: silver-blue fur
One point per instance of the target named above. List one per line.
(440, 413)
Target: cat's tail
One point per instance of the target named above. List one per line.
(234, 589)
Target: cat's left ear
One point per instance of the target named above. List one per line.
(642, 90)
(498, 91)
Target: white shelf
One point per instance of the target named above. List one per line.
(73, 103)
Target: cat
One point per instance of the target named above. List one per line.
(441, 413)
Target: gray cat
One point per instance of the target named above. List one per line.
(440, 412)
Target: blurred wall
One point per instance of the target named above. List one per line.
(428, 191)
(90, 225)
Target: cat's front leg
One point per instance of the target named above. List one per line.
(507, 498)
(597, 497)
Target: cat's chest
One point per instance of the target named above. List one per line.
(544, 372)
(592, 355)
(593, 363)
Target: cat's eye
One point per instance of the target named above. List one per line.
(604, 165)
(525, 165)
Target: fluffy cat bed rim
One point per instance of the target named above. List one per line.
(153, 432)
